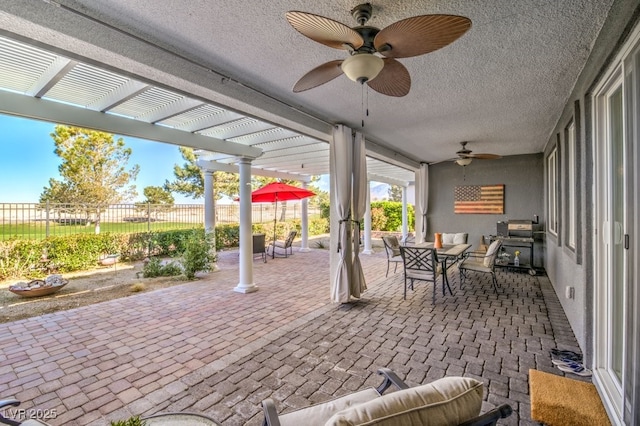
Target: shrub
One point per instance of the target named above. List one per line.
(227, 236)
(138, 287)
(20, 257)
(318, 226)
(156, 268)
(393, 214)
(132, 421)
(378, 219)
(197, 255)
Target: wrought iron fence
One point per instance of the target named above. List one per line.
(37, 221)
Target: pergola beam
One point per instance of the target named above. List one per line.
(56, 112)
(255, 171)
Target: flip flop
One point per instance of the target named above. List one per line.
(576, 368)
(557, 353)
(564, 361)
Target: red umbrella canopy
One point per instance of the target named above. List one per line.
(278, 191)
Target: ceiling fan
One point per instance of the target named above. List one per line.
(373, 51)
(465, 156)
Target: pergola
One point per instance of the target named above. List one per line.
(45, 85)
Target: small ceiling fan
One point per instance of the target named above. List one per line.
(373, 51)
(465, 156)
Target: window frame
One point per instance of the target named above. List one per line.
(552, 192)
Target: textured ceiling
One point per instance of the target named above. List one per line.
(501, 86)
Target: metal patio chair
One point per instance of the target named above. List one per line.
(421, 263)
(284, 246)
(392, 248)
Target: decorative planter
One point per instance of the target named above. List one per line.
(36, 288)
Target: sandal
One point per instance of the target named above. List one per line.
(575, 368)
(560, 354)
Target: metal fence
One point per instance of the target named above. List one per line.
(37, 221)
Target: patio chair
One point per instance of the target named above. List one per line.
(450, 401)
(421, 263)
(483, 263)
(260, 246)
(284, 246)
(392, 248)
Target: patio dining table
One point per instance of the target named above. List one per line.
(447, 255)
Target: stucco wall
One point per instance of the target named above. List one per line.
(565, 267)
(522, 176)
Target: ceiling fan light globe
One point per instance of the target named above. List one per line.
(464, 161)
(362, 67)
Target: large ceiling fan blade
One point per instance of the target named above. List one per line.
(393, 80)
(484, 156)
(319, 75)
(324, 30)
(420, 34)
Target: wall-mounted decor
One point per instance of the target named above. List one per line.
(487, 199)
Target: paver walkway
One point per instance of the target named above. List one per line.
(201, 347)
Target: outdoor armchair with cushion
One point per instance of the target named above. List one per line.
(284, 246)
(484, 263)
(392, 248)
(447, 401)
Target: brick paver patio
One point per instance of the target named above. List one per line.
(200, 347)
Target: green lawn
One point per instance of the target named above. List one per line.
(37, 230)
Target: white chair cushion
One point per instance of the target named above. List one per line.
(448, 238)
(491, 253)
(457, 238)
(420, 275)
(444, 402)
(460, 238)
(475, 265)
(319, 414)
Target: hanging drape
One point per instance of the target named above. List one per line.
(360, 187)
(423, 198)
(342, 156)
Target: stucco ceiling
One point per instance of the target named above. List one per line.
(501, 86)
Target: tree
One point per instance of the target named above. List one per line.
(93, 170)
(395, 193)
(189, 179)
(157, 200)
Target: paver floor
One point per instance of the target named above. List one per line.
(201, 347)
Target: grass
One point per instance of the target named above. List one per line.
(38, 230)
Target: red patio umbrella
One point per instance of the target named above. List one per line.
(278, 191)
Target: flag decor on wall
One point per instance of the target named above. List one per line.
(487, 199)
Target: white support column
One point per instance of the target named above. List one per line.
(210, 211)
(304, 222)
(405, 221)
(367, 223)
(246, 284)
(417, 209)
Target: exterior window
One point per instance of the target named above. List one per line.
(552, 192)
(571, 186)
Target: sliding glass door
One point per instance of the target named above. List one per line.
(616, 294)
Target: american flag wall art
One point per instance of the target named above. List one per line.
(483, 199)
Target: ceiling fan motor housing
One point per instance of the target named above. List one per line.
(362, 13)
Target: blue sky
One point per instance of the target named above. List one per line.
(27, 161)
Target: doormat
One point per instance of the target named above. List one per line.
(558, 401)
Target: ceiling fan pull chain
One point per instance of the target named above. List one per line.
(367, 100)
(362, 105)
